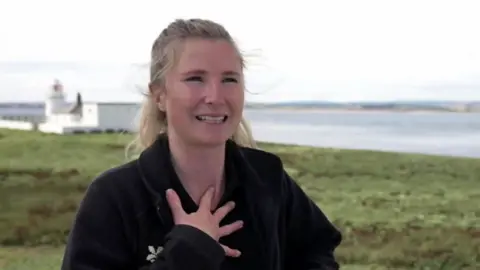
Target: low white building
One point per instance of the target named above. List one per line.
(62, 117)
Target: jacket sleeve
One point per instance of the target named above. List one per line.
(311, 237)
(98, 241)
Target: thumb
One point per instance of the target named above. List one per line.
(175, 204)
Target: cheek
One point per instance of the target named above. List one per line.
(236, 97)
(180, 99)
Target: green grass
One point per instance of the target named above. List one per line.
(396, 211)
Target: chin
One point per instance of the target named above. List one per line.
(211, 140)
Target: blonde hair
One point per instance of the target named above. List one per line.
(152, 121)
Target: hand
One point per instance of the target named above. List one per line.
(204, 220)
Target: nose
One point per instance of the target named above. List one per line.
(213, 93)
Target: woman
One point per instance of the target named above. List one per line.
(199, 195)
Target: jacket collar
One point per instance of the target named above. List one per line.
(157, 173)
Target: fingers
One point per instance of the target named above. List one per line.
(206, 200)
(223, 211)
(230, 228)
(231, 252)
(175, 204)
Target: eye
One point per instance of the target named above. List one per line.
(230, 80)
(194, 79)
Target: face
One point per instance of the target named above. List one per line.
(204, 93)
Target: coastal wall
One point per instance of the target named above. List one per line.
(11, 124)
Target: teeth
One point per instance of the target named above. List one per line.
(212, 119)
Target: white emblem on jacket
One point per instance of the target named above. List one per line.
(153, 253)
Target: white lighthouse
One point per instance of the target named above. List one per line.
(55, 102)
(63, 117)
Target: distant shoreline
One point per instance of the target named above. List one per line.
(358, 110)
(473, 107)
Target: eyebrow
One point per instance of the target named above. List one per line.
(203, 72)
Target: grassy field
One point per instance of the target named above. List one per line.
(396, 211)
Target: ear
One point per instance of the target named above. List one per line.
(158, 94)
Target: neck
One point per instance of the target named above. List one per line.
(198, 168)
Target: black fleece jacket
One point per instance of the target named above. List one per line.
(124, 222)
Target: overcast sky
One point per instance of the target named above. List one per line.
(302, 49)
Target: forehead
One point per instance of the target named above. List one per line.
(209, 55)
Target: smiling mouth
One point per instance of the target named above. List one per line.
(212, 119)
